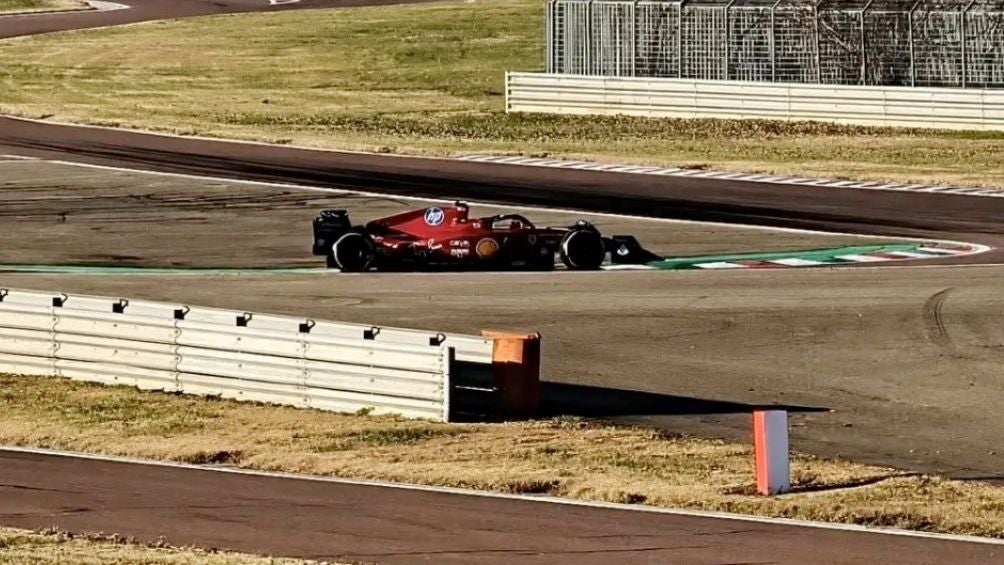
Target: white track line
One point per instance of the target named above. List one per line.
(96, 6)
(718, 265)
(797, 262)
(862, 258)
(745, 177)
(517, 497)
(102, 6)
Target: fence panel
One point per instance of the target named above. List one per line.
(944, 43)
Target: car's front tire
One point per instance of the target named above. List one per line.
(582, 250)
(352, 252)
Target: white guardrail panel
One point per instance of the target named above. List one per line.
(942, 108)
(232, 354)
(469, 349)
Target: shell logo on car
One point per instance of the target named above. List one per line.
(487, 248)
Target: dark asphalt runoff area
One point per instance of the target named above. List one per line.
(322, 520)
(368, 524)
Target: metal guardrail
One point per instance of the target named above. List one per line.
(942, 108)
(243, 355)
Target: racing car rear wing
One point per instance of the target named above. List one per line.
(328, 226)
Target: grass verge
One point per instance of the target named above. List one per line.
(20, 547)
(424, 79)
(27, 6)
(564, 457)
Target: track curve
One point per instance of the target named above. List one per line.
(919, 215)
(924, 215)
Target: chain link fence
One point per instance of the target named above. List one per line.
(950, 43)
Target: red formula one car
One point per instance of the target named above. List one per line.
(446, 237)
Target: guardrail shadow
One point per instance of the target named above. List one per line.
(560, 399)
(476, 398)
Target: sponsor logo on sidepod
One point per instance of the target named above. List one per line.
(434, 216)
(487, 248)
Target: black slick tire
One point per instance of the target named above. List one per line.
(352, 252)
(582, 250)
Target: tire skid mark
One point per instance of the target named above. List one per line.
(934, 322)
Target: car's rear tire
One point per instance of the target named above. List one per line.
(352, 252)
(582, 250)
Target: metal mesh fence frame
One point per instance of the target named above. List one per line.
(749, 43)
(657, 25)
(948, 43)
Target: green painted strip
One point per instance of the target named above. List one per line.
(148, 271)
(821, 255)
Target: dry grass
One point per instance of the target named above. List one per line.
(564, 457)
(26, 6)
(20, 547)
(360, 79)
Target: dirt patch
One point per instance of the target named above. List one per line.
(54, 546)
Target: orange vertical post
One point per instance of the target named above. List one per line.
(516, 367)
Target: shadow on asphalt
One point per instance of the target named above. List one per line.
(559, 399)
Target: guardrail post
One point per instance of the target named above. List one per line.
(770, 440)
(864, 44)
(728, 38)
(516, 367)
(965, 41)
(505, 93)
(634, 38)
(913, 61)
(679, 39)
(773, 41)
(819, 57)
(589, 39)
(449, 363)
(549, 37)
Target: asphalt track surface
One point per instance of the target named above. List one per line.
(337, 522)
(938, 216)
(855, 211)
(830, 209)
